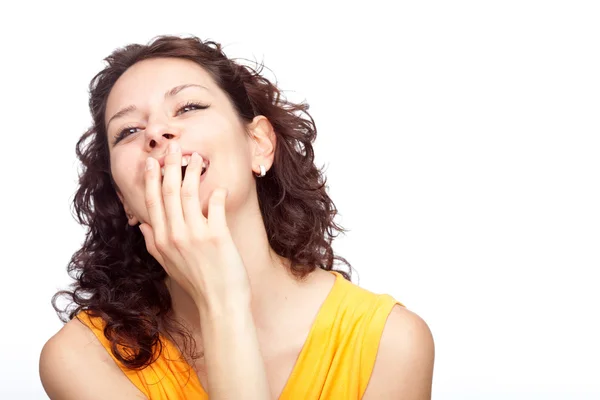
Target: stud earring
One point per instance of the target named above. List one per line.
(263, 171)
(129, 215)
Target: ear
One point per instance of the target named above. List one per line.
(131, 218)
(263, 143)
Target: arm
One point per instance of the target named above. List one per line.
(74, 366)
(198, 252)
(404, 364)
(232, 354)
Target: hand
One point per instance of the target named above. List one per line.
(197, 252)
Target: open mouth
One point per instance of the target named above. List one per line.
(184, 163)
(184, 168)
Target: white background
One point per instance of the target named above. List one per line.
(462, 147)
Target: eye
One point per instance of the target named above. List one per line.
(191, 105)
(124, 133)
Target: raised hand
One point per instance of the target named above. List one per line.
(197, 252)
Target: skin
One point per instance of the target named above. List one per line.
(215, 133)
(228, 286)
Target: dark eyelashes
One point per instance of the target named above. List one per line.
(192, 104)
(124, 133)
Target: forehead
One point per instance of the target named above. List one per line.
(148, 80)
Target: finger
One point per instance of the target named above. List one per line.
(153, 198)
(150, 244)
(171, 191)
(217, 220)
(190, 197)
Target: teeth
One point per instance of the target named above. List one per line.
(184, 162)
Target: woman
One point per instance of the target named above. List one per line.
(207, 265)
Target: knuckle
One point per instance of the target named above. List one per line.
(169, 190)
(161, 244)
(196, 237)
(213, 238)
(176, 238)
(151, 202)
(187, 192)
(204, 238)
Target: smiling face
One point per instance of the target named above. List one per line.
(161, 100)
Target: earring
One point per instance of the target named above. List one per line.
(129, 215)
(263, 171)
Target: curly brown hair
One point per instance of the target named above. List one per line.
(115, 276)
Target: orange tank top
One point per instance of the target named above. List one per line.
(335, 362)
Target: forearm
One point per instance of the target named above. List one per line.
(234, 363)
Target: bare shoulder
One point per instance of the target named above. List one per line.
(404, 364)
(75, 365)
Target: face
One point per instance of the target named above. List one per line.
(200, 117)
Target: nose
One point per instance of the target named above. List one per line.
(159, 133)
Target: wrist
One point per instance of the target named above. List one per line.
(212, 310)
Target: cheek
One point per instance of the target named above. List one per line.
(231, 168)
(125, 173)
(117, 168)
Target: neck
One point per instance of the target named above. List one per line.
(268, 273)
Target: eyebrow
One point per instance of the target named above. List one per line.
(170, 93)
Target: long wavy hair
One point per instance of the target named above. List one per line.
(115, 276)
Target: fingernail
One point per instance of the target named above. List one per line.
(149, 163)
(195, 158)
(173, 147)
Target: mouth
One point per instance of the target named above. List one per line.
(184, 163)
